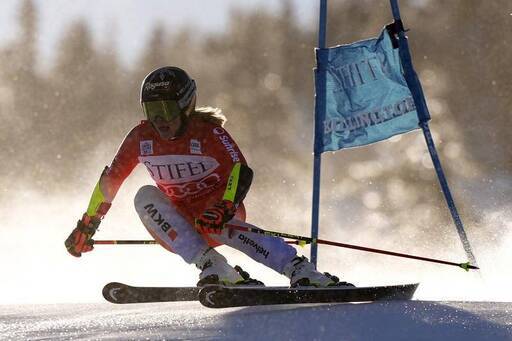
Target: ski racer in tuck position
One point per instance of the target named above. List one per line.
(201, 181)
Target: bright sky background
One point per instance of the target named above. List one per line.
(131, 20)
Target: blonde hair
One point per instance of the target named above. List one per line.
(209, 114)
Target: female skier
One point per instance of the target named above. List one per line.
(202, 179)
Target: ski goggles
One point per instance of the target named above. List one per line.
(167, 110)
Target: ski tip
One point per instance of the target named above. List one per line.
(109, 291)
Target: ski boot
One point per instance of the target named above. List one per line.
(215, 270)
(302, 273)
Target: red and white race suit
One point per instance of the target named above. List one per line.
(192, 169)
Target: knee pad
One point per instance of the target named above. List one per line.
(166, 224)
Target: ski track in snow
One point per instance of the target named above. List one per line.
(412, 320)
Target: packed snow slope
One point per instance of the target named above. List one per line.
(399, 320)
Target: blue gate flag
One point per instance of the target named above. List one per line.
(367, 97)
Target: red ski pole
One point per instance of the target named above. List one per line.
(141, 242)
(301, 240)
(124, 242)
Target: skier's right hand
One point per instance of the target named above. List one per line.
(80, 240)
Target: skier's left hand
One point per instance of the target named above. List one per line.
(212, 220)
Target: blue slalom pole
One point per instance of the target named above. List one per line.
(320, 107)
(424, 116)
(447, 194)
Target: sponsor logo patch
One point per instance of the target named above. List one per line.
(146, 147)
(228, 144)
(195, 147)
(181, 176)
(203, 186)
(160, 221)
(153, 86)
(175, 169)
(248, 241)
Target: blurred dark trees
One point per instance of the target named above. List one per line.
(480, 81)
(56, 123)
